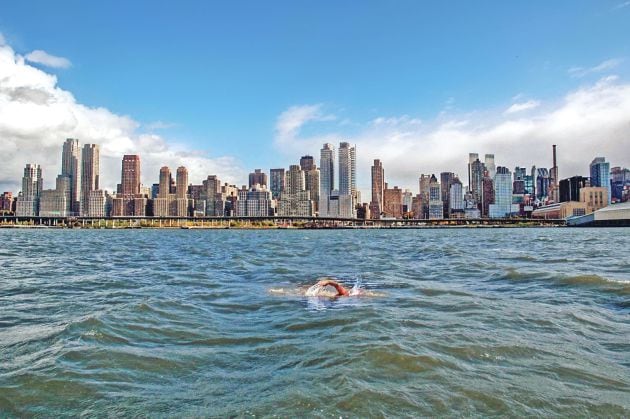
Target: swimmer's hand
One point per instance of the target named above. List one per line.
(341, 291)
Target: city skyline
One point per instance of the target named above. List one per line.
(576, 98)
(305, 190)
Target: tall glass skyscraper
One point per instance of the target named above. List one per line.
(502, 206)
(600, 174)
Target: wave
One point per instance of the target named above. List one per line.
(617, 285)
(614, 285)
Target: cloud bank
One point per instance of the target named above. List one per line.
(593, 120)
(36, 116)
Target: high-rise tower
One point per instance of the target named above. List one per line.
(32, 183)
(257, 177)
(130, 177)
(182, 183)
(554, 185)
(378, 189)
(294, 183)
(347, 180)
(326, 177)
(471, 159)
(71, 168)
(600, 175)
(165, 182)
(90, 178)
(307, 163)
(276, 182)
(490, 166)
(347, 169)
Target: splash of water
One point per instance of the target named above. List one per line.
(314, 291)
(356, 288)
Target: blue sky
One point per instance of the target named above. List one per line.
(218, 76)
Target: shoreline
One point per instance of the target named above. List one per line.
(249, 227)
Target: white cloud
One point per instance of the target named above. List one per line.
(291, 120)
(622, 5)
(36, 116)
(159, 125)
(523, 106)
(42, 57)
(579, 72)
(401, 120)
(2, 40)
(591, 121)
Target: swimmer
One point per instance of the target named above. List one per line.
(341, 291)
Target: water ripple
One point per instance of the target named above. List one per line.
(453, 322)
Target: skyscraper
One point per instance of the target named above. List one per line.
(424, 182)
(130, 177)
(28, 201)
(502, 206)
(347, 169)
(378, 188)
(518, 185)
(456, 199)
(600, 175)
(71, 168)
(294, 182)
(569, 189)
(446, 178)
(487, 195)
(276, 182)
(490, 167)
(311, 182)
(392, 202)
(90, 176)
(6, 202)
(554, 187)
(311, 177)
(534, 180)
(165, 182)
(182, 183)
(620, 182)
(542, 183)
(130, 202)
(436, 207)
(326, 178)
(258, 177)
(472, 157)
(181, 192)
(477, 170)
(163, 204)
(212, 195)
(307, 163)
(296, 200)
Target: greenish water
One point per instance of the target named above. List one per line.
(456, 322)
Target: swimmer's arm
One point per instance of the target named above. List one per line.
(340, 289)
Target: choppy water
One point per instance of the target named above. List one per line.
(460, 322)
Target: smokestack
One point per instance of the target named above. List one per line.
(554, 156)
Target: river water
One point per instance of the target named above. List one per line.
(455, 322)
